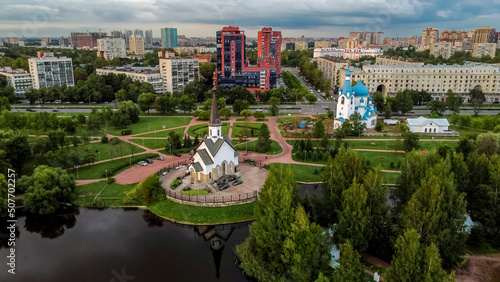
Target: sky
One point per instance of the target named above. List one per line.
(202, 18)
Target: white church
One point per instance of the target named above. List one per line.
(355, 99)
(216, 155)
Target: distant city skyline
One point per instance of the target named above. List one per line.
(54, 18)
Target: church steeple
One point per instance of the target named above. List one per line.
(215, 124)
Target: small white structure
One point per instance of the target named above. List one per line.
(390, 121)
(216, 155)
(428, 125)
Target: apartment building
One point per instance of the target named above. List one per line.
(136, 45)
(441, 49)
(48, 70)
(430, 36)
(19, 79)
(301, 45)
(435, 79)
(385, 60)
(142, 74)
(321, 44)
(330, 67)
(178, 72)
(484, 49)
(347, 53)
(110, 48)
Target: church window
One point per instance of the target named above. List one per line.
(218, 171)
(210, 132)
(434, 130)
(425, 130)
(342, 100)
(351, 100)
(218, 132)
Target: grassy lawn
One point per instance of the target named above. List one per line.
(155, 123)
(202, 129)
(275, 148)
(195, 192)
(390, 177)
(87, 193)
(203, 215)
(464, 131)
(108, 151)
(305, 173)
(381, 158)
(238, 126)
(283, 119)
(164, 133)
(151, 143)
(97, 171)
(242, 119)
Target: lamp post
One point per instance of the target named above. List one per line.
(99, 153)
(170, 144)
(246, 144)
(106, 174)
(149, 129)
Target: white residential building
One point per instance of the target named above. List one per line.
(48, 70)
(110, 48)
(19, 79)
(428, 125)
(348, 53)
(136, 45)
(149, 75)
(484, 49)
(177, 72)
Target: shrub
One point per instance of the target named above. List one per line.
(379, 126)
(111, 180)
(196, 113)
(204, 115)
(126, 132)
(115, 141)
(175, 183)
(104, 139)
(391, 165)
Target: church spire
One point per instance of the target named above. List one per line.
(214, 116)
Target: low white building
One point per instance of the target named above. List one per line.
(19, 79)
(428, 125)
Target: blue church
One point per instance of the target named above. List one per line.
(355, 99)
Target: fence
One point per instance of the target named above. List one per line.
(212, 200)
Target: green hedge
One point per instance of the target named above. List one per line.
(175, 183)
(113, 169)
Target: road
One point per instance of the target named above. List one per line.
(309, 87)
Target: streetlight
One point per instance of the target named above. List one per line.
(170, 148)
(149, 129)
(99, 153)
(106, 174)
(246, 144)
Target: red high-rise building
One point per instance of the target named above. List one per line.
(269, 47)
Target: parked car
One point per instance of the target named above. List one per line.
(177, 167)
(143, 163)
(223, 186)
(187, 172)
(55, 110)
(177, 154)
(249, 160)
(160, 158)
(237, 182)
(150, 161)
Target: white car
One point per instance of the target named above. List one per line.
(143, 163)
(177, 167)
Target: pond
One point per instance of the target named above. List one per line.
(82, 244)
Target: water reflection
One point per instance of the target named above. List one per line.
(58, 247)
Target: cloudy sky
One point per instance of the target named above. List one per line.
(313, 18)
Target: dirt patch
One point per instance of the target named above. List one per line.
(479, 268)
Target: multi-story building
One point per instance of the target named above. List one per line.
(484, 49)
(86, 39)
(441, 49)
(484, 35)
(342, 43)
(435, 79)
(168, 37)
(320, 44)
(110, 48)
(139, 32)
(48, 70)
(116, 34)
(453, 35)
(19, 79)
(348, 53)
(384, 60)
(378, 38)
(148, 36)
(232, 64)
(136, 45)
(126, 36)
(430, 36)
(142, 74)
(63, 42)
(330, 67)
(206, 58)
(13, 40)
(45, 41)
(178, 72)
(301, 45)
(269, 47)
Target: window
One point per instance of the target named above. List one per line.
(342, 100)
(425, 130)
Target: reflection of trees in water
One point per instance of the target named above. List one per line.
(53, 225)
(5, 233)
(152, 220)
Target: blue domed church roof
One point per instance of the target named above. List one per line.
(360, 90)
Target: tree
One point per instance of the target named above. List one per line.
(404, 102)
(129, 110)
(165, 103)
(453, 101)
(4, 104)
(48, 187)
(350, 268)
(319, 129)
(264, 142)
(186, 103)
(3, 196)
(410, 141)
(240, 105)
(225, 112)
(477, 99)
(354, 217)
(273, 105)
(262, 252)
(204, 115)
(148, 191)
(16, 147)
(246, 113)
(325, 142)
(388, 110)
(259, 115)
(358, 126)
(330, 113)
(414, 261)
(379, 126)
(436, 106)
(174, 139)
(221, 103)
(145, 101)
(379, 101)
